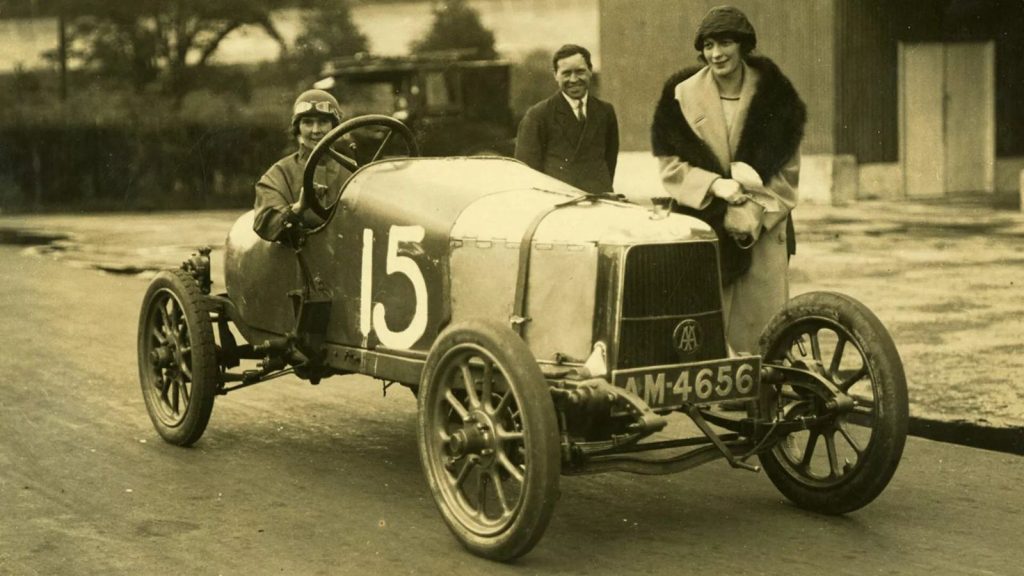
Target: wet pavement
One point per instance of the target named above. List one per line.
(947, 279)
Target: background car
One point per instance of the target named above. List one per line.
(454, 105)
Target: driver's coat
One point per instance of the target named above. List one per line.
(279, 188)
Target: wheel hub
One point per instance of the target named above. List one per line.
(476, 437)
(162, 357)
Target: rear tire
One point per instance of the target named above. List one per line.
(488, 439)
(840, 339)
(178, 368)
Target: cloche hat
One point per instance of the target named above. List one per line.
(725, 21)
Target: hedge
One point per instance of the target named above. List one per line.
(148, 167)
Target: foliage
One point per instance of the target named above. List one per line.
(134, 167)
(105, 148)
(457, 26)
(532, 81)
(158, 42)
(328, 32)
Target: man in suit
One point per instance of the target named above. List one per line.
(572, 135)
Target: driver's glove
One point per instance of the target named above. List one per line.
(293, 233)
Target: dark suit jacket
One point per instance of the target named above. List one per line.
(551, 140)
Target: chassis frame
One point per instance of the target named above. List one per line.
(312, 359)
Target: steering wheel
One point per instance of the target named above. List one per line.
(393, 126)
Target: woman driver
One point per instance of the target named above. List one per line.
(314, 114)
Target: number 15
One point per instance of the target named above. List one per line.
(396, 264)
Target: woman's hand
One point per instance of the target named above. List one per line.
(744, 222)
(729, 190)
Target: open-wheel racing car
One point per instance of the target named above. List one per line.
(545, 331)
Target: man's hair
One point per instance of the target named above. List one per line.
(570, 50)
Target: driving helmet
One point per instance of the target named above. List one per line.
(315, 102)
(727, 21)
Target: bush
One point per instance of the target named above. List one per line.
(457, 26)
(532, 81)
(135, 167)
(109, 148)
(328, 32)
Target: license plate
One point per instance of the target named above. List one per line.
(673, 385)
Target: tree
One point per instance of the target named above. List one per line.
(158, 41)
(457, 26)
(328, 32)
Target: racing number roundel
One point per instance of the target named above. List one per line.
(372, 316)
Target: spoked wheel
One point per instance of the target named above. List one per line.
(488, 439)
(847, 458)
(177, 358)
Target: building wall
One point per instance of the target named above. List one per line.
(973, 21)
(642, 43)
(866, 81)
(840, 54)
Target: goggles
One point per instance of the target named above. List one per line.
(322, 107)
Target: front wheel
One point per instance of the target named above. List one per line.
(177, 358)
(488, 439)
(845, 459)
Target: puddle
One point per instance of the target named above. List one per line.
(62, 247)
(14, 237)
(949, 229)
(125, 269)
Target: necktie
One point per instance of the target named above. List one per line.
(581, 112)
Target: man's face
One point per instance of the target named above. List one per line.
(312, 128)
(573, 76)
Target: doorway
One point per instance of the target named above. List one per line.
(947, 118)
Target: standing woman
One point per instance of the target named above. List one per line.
(727, 136)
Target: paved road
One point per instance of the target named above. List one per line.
(296, 479)
(946, 279)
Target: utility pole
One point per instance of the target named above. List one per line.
(62, 52)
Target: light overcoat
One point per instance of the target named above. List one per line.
(761, 151)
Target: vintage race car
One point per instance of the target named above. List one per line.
(545, 331)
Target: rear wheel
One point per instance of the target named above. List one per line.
(177, 358)
(845, 460)
(488, 439)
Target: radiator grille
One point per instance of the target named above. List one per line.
(663, 285)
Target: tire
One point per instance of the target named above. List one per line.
(178, 368)
(490, 451)
(840, 339)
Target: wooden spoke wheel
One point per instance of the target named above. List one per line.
(488, 439)
(847, 458)
(177, 358)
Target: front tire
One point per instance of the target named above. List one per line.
(488, 439)
(840, 339)
(178, 368)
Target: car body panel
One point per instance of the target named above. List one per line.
(419, 242)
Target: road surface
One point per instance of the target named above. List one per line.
(946, 279)
(296, 479)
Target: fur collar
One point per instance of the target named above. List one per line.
(771, 133)
(770, 137)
